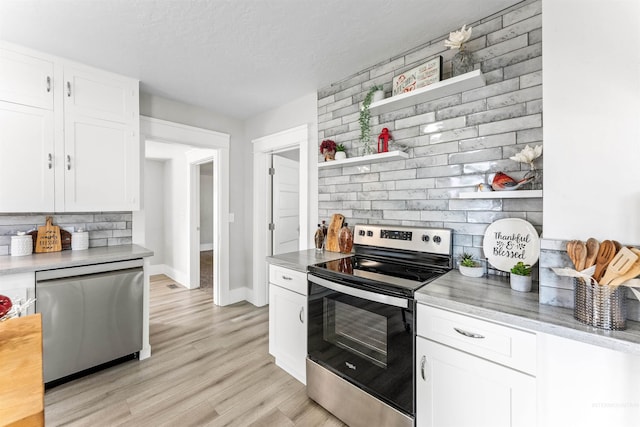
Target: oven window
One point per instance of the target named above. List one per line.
(356, 330)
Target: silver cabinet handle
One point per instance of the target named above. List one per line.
(287, 277)
(468, 334)
(50, 159)
(68, 162)
(423, 361)
(68, 89)
(48, 84)
(301, 314)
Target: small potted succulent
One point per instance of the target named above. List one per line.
(341, 153)
(521, 277)
(328, 149)
(470, 267)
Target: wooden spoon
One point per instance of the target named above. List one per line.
(606, 252)
(592, 252)
(570, 251)
(631, 273)
(620, 264)
(580, 254)
(617, 244)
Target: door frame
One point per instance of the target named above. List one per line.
(216, 148)
(263, 147)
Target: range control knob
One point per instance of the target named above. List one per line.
(370, 233)
(425, 237)
(437, 239)
(361, 232)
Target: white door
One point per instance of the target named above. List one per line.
(286, 207)
(27, 159)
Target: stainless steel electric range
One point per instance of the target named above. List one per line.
(361, 327)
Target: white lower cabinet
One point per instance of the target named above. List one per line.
(458, 384)
(288, 320)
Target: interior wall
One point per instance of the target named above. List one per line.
(206, 209)
(239, 156)
(154, 202)
(592, 115)
(298, 112)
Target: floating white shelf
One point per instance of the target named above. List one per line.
(515, 194)
(461, 83)
(363, 160)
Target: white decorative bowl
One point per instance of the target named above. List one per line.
(472, 271)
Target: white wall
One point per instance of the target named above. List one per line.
(206, 210)
(591, 103)
(166, 109)
(154, 206)
(303, 110)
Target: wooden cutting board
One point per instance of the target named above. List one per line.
(48, 237)
(65, 239)
(332, 233)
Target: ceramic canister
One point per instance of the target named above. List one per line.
(22, 244)
(79, 240)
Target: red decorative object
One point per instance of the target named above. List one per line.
(328, 149)
(384, 138)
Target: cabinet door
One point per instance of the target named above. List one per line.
(101, 95)
(27, 159)
(26, 80)
(288, 330)
(454, 388)
(101, 162)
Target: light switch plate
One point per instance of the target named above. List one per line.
(232, 217)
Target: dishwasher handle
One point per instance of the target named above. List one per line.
(87, 269)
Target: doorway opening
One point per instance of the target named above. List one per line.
(180, 184)
(206, 226)
(263, 154)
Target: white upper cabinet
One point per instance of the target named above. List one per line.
(26, 80)
(69, 132)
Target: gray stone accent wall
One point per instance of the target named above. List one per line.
(105, 228)
(454, 143)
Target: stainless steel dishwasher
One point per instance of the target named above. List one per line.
(90, 315)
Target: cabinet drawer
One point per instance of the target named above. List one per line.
(295, 281)
(501, 344)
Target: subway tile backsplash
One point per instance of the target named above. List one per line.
(105, 228)
(454, 143)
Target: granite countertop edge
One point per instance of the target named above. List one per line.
(301, 260)
(70, 258)
(492, 299)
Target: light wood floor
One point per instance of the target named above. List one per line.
(209, 367)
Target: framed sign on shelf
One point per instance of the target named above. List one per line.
(428, 73)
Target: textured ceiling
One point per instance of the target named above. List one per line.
(234, 57)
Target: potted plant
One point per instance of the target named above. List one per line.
(328, 149)
(470, 267)
(365, 116)
(341, 153)
(521, 277)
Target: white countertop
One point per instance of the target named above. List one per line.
(70, 258)
(491, 298)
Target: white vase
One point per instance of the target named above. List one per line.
(377, 96)
(520, 283)
(471, 271)
(340, 155)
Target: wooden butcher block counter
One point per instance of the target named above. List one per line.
(21, 384)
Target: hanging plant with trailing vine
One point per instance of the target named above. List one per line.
(365, 117)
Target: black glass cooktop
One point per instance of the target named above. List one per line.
(379, 273)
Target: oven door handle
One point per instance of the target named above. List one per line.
(360, 293)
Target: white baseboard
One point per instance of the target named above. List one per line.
(156, 269)
(178, 276)
(206, 246)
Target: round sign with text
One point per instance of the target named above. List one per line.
(509, 241)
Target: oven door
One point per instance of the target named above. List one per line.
(364, 337)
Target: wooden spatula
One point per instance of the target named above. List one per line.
(620, 264)
(570, 251)
(630, 274)
(606, 252)
(580, 254)
(592, 252)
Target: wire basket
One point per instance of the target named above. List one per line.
(602, 306)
